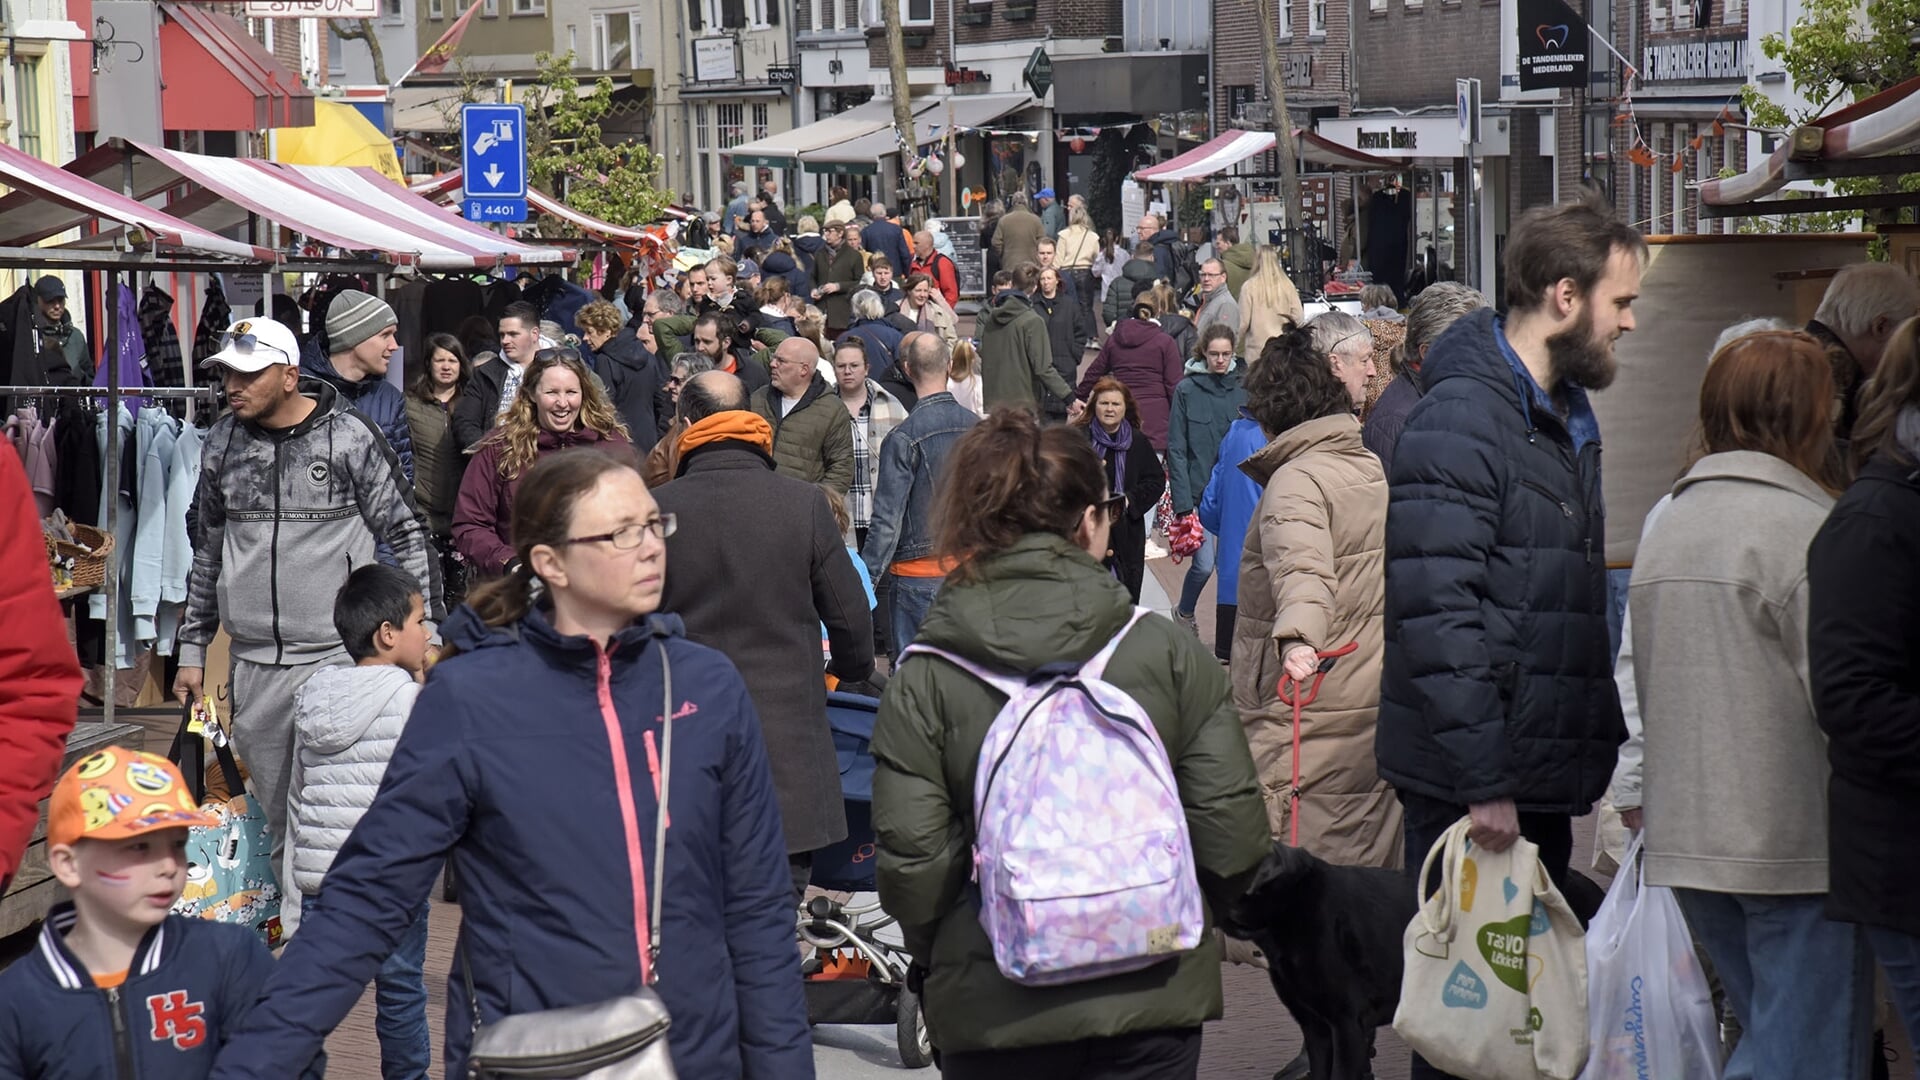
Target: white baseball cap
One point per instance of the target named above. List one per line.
(255, 345)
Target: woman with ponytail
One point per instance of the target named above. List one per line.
(1025, 514)
(511, 765)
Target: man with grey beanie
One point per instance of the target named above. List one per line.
(360, 339)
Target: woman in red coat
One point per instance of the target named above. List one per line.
(560, 406)
(39, 673)
(1145, 358)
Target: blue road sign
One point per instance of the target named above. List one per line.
(493, 145)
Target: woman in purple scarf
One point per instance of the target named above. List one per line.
(1112, 421)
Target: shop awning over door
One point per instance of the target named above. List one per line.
(1230, 148)
(41, 193)
(864, 154)
(783, 151)
(218, 78)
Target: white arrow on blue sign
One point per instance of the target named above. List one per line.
(493, 142)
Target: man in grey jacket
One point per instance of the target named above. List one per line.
(1217, 304)
(296, 490)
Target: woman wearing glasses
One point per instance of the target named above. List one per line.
(1313, 581)
(559, 406)
(1026, 514)
(511, 765)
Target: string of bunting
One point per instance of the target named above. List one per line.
(1640, 151)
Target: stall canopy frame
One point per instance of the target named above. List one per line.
(1234, 146)
(1876, 136)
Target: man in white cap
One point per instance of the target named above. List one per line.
(361, 342)
(296, 490)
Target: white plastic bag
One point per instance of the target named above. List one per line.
(1495, 986)
(1651, 1012)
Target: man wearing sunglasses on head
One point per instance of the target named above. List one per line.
(296, 491)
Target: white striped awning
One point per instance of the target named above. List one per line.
(1230, 148)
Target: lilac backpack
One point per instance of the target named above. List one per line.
(1081, 849)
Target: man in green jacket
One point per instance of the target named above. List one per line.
(1045, 600)
(1015, 355)
(812, 433)
(55, 332)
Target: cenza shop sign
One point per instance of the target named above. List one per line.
(1722, 59)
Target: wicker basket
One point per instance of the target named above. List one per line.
(89, 555)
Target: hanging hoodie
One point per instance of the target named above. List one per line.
(129, 355)
(163, 343)
(347, 722)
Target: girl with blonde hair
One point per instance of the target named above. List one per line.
(1268, 302)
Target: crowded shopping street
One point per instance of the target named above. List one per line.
(757, 541)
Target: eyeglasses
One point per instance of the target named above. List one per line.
(244, 344)
(1112, 506)
(628, 537)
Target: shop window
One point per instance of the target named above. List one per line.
(759, 122)
(730, 122)
(701, 140)
(26, 105)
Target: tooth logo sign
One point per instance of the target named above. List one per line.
(1553, 37)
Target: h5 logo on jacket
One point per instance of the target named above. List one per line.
(177, 1020)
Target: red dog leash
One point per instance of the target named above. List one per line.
(1294, 699)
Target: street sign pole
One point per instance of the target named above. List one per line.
(493, 159)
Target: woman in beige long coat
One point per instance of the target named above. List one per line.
(1312, 579)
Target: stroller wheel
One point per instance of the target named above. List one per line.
(910, 1031)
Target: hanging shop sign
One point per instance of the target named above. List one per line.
(1553, 45)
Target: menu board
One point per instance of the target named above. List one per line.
(968, 259)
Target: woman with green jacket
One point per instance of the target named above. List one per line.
(1205, 405)
(1025, 516)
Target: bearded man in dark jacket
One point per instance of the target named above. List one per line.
(1497, 700)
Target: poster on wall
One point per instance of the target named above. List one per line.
(1553, 45)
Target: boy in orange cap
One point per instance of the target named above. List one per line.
(118, 985)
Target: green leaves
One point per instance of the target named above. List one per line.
(568, 154)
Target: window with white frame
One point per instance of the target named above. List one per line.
(1317, 17)
(1377, 6)
(529, 7)
(616, 40)
(818, 12)
(759, 122)
(916, 12)
(26, 105)
(764, 13)
(730, 122)
(489, 8)
(336, 53)
(436, 9)
(1286, 18)
(701, 141)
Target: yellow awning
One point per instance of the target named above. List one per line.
(340, 135)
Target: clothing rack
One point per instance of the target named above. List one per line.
(110, 588)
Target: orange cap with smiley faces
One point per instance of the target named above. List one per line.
(116, 794)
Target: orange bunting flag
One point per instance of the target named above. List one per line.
(1719, 129)
(1694, 142)
(1679, 163)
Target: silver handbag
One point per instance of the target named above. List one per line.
(622, 1038)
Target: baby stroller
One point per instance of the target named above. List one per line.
(853, 976)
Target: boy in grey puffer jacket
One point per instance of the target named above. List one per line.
(348, 722)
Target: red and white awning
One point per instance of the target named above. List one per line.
(1886, 123)
(1230, 148)
(46, 195)
(446, 188)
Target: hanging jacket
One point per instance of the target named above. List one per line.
(176, 557)
(1204, 406)
(129, 356)
(285, 517)
(215, 317)
(372, 397)
(1044, 601)
(1226, 507)
(155, 434)
(346, 723)
(1499, 677)
(1313, 574)
(546, 904)
(1145, 358)
(191, 983)
(483, 513)
(163, 343)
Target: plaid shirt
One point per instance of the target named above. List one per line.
(871, 425)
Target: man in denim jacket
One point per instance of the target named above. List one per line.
(900, 536)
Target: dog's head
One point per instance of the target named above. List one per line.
(1269, 895)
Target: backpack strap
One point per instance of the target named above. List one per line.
(1096, 666)
(1008, 685)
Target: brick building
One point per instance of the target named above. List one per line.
(1693, 59)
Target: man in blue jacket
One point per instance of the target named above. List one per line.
(361, 332)
(1498, 700)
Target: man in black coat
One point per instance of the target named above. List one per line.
(756, 565)
(1497, 699)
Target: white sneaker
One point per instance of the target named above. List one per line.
(1188, 621)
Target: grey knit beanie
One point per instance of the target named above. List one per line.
(354, 317)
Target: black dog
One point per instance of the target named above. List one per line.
(1332, 936)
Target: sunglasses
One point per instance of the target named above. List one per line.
(1112, 506)
(245, 343)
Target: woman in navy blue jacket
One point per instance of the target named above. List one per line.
(505, 767)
